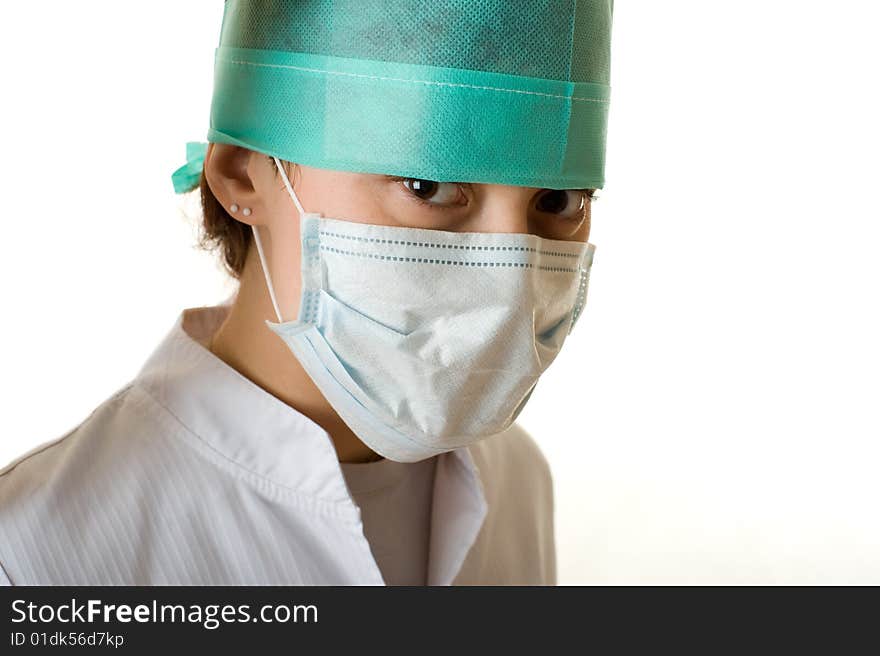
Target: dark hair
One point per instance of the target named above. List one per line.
(222, 232)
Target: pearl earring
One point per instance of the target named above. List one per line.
(247, 211)
(234, 208)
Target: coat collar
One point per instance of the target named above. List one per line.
(247, 425)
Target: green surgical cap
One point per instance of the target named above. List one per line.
(484, 91)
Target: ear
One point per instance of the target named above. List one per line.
(228, 174)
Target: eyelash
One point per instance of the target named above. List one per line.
(589, 194)
(421, 201)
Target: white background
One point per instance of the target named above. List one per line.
(714, 419)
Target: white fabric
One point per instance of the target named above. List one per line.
(428, 340)
(395, 502)
(424, 341)
(191, 474)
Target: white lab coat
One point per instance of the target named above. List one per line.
(193, 475)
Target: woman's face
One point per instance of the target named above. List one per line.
(452, 206)
(457, 207)
(248, 179)
(396, 201)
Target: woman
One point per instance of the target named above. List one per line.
(403, 192)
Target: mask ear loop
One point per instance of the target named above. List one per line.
(259, 243)
(266, 273)
(289, 188)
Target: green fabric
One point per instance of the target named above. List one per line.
(186, 178)
(485, 91)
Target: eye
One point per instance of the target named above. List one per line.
(569, 203)
(430, 192)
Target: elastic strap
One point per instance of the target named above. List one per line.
(259, 243)
(266, 273)
(289, 187)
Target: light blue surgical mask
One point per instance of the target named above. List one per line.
(422, 340)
